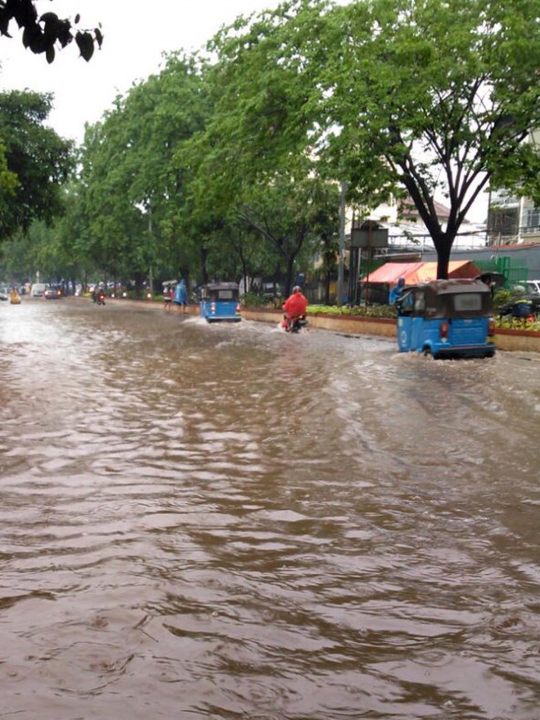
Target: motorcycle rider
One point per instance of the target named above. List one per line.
(295, 307)
(520, 305)
(98, 294)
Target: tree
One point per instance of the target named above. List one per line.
(424, 98)
(442, 105)
(159, 117)
(38, 158)
(250, 164)
(133, 178)
(291, 213)
(42, 32)
(113, 227)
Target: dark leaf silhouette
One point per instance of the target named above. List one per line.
(41, 33)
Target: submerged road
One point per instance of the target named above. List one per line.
(225, 521)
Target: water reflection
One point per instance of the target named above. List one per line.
(229, 522)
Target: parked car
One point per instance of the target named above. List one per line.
(38, 289)
(533, 287)
(271, 291)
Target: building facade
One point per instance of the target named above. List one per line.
(513, 219)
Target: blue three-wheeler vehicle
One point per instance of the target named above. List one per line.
(446, 319)
(220, 302)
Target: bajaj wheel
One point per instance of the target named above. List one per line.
(426, 352)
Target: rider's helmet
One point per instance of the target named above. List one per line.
(296, 289)
(519, 290)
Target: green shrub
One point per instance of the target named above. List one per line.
(389, 311)
(251, 299)
(377, 311)
(512, 323)
(502, 297)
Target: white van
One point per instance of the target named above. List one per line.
(38, 289)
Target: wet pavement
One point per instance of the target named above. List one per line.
(226, 521)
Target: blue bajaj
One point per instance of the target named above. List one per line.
(220, 302)
(447, 319)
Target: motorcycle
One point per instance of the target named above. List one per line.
(99, 298)
(295, 324)
(519, 310)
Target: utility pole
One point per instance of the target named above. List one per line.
(341, 261)
(150, 233)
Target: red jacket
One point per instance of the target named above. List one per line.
(296, 305)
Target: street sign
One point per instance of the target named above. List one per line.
(369, 238)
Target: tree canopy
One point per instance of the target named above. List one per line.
(37, 160)
(133, 179)
(425, 99)
(420, 100)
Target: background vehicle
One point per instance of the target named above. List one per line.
(98, 296)
(38, 289)
(522, 304)
(220, 302)
(294, 325)
(447, 319)
(271, 292)
(54, 292)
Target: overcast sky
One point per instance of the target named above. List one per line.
(136, 32)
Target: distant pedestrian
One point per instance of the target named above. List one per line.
(180, 295)
(168, 294)
(396, 292)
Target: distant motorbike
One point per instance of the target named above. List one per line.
(521, 310)
(99, 298)
(295, 324)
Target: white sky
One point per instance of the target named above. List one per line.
(136, 33)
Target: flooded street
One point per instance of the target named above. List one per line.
(225, 521)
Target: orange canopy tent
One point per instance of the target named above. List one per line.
(418, 272)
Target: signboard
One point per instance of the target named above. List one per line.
(370, 238)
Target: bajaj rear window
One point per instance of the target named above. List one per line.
(467, 302)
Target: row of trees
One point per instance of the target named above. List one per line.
(231, 163)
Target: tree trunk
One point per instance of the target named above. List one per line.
(204, 271)
(290, 272)
(244, 273)
(443, 246)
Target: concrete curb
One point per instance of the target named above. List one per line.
(523, 340)
(510, 340)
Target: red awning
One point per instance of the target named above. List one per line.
(420, 272)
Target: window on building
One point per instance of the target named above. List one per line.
(533, 219)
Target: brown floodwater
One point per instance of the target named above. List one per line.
(225, 521)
